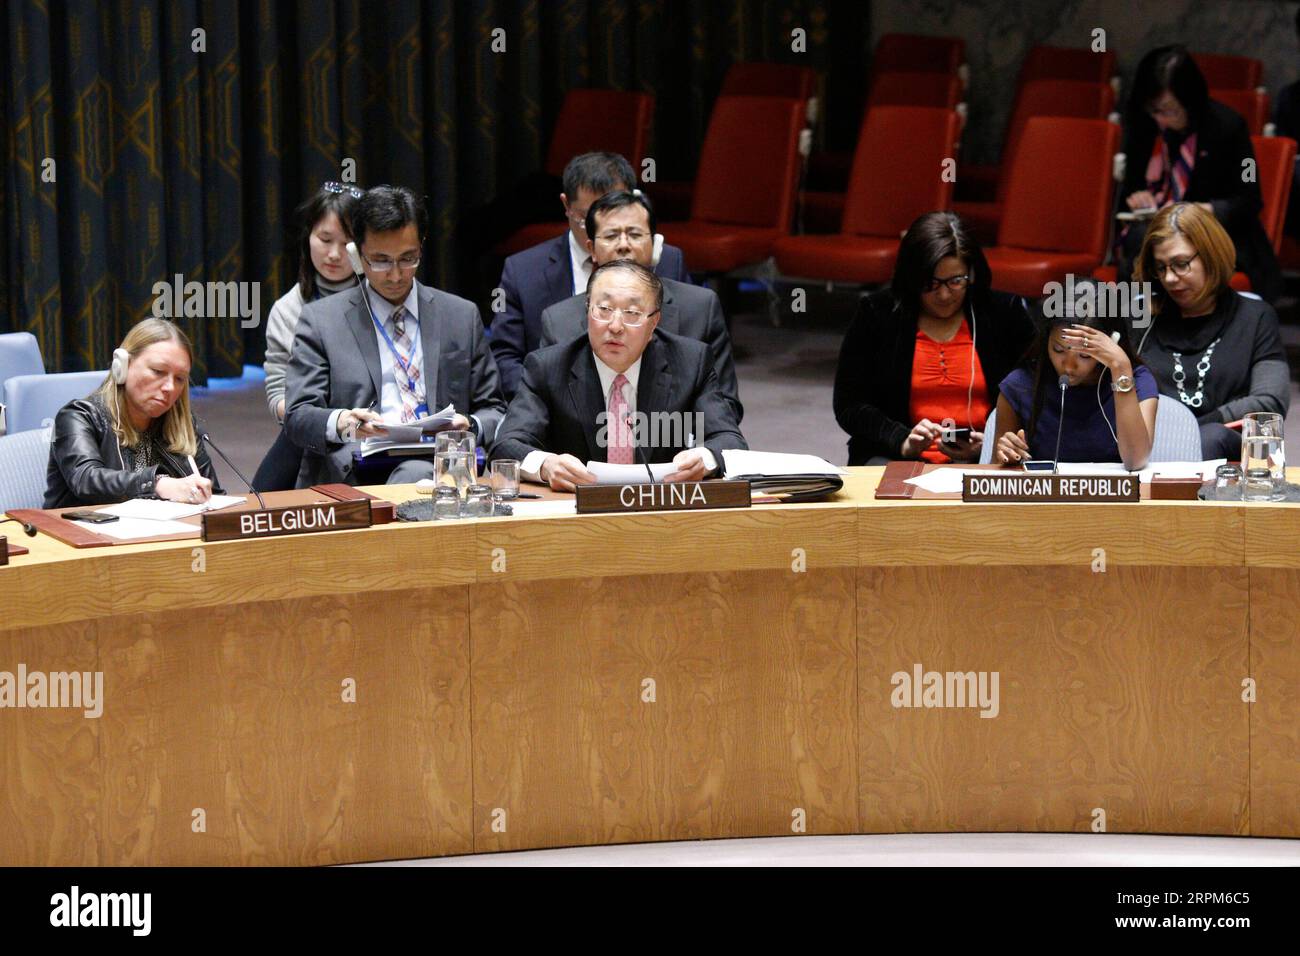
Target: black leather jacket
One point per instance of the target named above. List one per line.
(88, 464)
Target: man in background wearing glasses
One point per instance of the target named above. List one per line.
(390, 350)
(558, 268)
(621, 225)
(580, 400)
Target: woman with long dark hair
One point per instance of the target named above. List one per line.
(1182, 146)
(927, 353)
(324, 230)
(1081, 381)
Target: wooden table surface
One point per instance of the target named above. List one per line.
(417, 689)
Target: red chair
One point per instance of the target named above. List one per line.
(1251, 104)
(904, 147)
(912, 53)
(1067, 63)
(589, 120)
(941, 90)
(1223, 72)
(1057, 214)
(673, 198)
(769, 79)
(1077, 98)
(745, 186)
(1275, 164)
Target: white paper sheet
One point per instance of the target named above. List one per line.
(130, 529)
(943, 480)
(555, 506)
(739, 461)
(607, 474)
(156, 509)
(412, 430)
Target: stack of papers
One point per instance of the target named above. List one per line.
(133, 529)
(794, 477)
(409, 437)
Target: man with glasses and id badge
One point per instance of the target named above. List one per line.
(390, 350)
(581, 400)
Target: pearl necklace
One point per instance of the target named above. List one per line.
(1202, 369)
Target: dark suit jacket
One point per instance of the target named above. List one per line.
(1222, 142)
(532, 281)
(873, 383)
(335, 364)
(560, 404)
(689, 310)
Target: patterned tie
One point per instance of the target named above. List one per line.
(619, 451)
(408, 383)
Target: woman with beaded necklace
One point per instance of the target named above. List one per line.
(1217, 351)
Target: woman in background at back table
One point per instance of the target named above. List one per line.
(324, 230)
(1109, 397)
(1217, 351)
(928, 351)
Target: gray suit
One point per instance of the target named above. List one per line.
(335, 364)
(689, 310)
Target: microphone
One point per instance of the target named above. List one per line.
(28, 529)
(203, 436)
(636, 445)
(1063, 381)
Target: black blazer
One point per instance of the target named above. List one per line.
(1222, 143)
(873, 383)
(560, 404)
(534, 280)
(88, 466)
(689, 310)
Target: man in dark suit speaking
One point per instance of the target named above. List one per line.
(621, 225)
(389, 349)
(578, 400)
(559, 268)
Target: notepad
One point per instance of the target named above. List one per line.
(131, 529)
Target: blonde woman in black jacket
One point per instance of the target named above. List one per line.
(135, 435)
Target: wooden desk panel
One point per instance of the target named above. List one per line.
(1108, 698)
(772, 686)
(753, 716)
(246, 721)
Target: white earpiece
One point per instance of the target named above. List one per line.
(354, 256)
(121, 359)
(658, 250)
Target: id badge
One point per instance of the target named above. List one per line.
(422, 409)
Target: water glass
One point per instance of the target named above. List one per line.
(446, 502)
(1263, 457)
(505, 478)
(1227, 482)
(454, 469)
(478, 502)
(456, 440)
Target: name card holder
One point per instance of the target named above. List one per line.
(297, 519)
(664, 496)
(4, 551)
(1030, 487)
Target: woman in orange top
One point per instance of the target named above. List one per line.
(928, 352)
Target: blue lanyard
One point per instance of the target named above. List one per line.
(403, 365)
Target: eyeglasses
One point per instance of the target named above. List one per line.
(1179, 267)
(632, 318)
(386, 265)
(1174, 110)
(633, 236)
(954, 283)
(337, 188)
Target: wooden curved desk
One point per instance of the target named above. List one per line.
(616, 678)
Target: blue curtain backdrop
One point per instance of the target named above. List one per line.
(168, 160)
